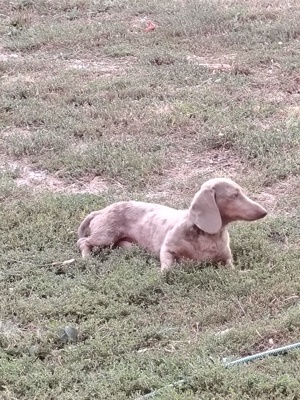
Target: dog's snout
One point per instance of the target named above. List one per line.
(247, 210)
(258, 211)
(263, 212)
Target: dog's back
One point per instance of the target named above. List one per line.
(145, 224)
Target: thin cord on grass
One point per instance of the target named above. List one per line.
(272, 352)
(243, 360)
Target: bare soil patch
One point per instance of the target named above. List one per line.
(40, 180)
(283, 196)
(6, 56)
(223, 64)
(186, 177)
(105, 66)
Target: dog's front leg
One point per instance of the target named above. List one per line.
(226, 259)
(167, 259)
(228, 263)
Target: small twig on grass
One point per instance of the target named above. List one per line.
(54, 263)
(240, 305)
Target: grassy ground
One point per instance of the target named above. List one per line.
(94, 109)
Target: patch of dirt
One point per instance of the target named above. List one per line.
(288, 187)
(195, 169)
(257, 5)
(209, 64)
(6, 56)
(23, 78)
(268, 200)
(164, 109)
(212, 162)
(140, 24)
(16, 131)
(40, 180)
(9, 329)
(282, 197)
(181, 182)
(105, 66)
(226, 64)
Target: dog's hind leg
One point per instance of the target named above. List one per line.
(127, 243)
(84, 246)
(99, 239)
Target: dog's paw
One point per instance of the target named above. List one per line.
(164, 268)
(229, 264)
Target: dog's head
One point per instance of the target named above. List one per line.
(221, 201)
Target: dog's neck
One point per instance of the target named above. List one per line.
(199, 232)
(225, 221)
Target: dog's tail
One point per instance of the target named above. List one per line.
(82, 230)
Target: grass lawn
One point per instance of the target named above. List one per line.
(94, 108)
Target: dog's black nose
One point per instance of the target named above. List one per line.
(263, 213)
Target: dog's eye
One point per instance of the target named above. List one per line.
(236, 194)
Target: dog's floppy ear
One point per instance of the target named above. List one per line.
(204, 211)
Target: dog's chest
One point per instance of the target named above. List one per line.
(203, 247)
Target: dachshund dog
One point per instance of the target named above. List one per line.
(198, 233)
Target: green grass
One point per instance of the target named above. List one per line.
(86, 92)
